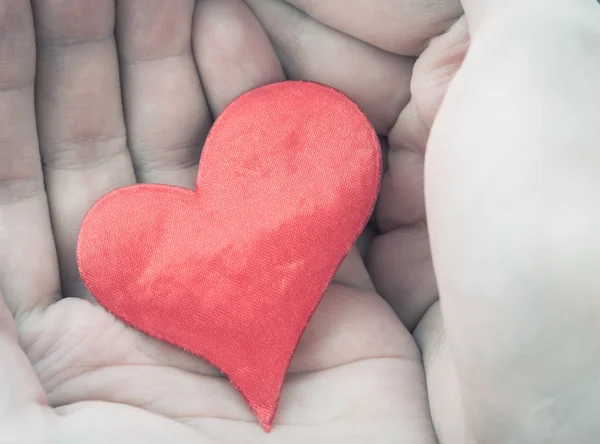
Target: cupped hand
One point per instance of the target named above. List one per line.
(99, 95)
(126, 92)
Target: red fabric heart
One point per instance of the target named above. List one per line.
(233, 271)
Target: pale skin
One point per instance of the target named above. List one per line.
(510, 351)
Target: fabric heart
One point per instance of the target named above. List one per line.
(233, 271)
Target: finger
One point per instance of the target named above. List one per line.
(232, 50)
(165, 108)
(19, 386)
(400, 264)
(376, 80)
(80, 119)
(400, 260)
(28, 266)
(402, 199)
(398, 26)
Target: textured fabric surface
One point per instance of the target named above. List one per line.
(233, 271)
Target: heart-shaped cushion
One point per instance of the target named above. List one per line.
(233, 271)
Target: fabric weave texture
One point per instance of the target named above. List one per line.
(233, 271)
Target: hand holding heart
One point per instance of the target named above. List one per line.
(509, 354)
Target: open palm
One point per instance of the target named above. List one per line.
(126, 91)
